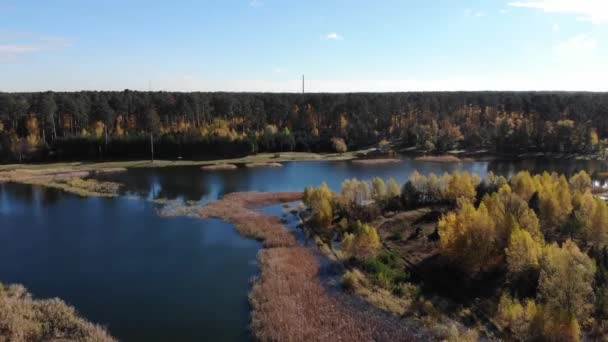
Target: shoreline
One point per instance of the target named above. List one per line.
(274, 159)
(289, 299)
(255, 159)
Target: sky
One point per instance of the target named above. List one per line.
(267, 45)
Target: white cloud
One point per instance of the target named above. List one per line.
(188, 77)
(277, 70)
(504, 11)
(556, 28)
(14, 45)
(594, 11)
(577, 44)
(333, 36)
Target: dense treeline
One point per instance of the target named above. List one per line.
(546, 235)
(199, 125)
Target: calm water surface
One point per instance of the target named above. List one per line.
(149, 278)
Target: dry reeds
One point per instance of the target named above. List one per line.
(238, 208)
(73, 181)
(289, 301)
(25, 319)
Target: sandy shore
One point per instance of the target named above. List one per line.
(218, 167)
(254, 165)
(379, 161)
(440, 159)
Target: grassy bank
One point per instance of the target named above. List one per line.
(66, 179)
(251, 159)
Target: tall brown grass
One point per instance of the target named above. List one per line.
(73, 181)
(289, 301)
(239, 209)
(23, 318)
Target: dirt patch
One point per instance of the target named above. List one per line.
(410, 235)
(252, 165)
(376, 161)
(218, 167)
(440, 159)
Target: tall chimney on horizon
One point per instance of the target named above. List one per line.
(302, 84)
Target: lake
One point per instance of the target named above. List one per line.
(152, 278)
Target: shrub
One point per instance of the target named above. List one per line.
(566, 281)
(364, 243)
(385, 271)
(25, 319)
(520, 319)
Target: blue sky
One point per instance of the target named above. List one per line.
(340, 45)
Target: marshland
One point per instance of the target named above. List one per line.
(179, 246)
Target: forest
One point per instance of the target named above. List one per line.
(526, 257)
(93, 125)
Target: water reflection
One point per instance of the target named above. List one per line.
(193, 184)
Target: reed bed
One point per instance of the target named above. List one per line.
(23, 318)
(288, 299)
(72, 181)
(239, 209)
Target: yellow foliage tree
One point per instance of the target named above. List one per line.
(555, 201)
(468, 236)
(33, 131)
(520, 319)
(507, 209)
(594, 139)
(597, 230)
(98, 129)
(493, 180)
(523, 253)
(580, 182)
(363, 244)
(119, 130)
(339, 145)
(379, 188)
(566, 282)
(524, 185)
(392, 188)
(462, 185)
(320, 201)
